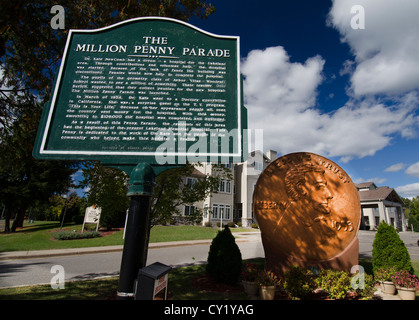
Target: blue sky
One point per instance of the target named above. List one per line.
(315, 83)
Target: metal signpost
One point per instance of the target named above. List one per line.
(145, 95)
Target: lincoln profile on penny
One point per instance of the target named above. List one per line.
(306, 185)
(308, 211)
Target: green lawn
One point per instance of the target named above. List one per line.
(181, 287)
(39, 236)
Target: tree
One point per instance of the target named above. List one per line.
(32, 50)
(108, 189)
(411, 208)
(224, 258)
(170, 191)
(30, 54)
(26, 182)
(389, 250)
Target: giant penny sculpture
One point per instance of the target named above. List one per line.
(309, 213)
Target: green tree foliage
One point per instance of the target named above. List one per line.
(224, 258)
(170, 191)
(335, 282)
(389, 250)
(24, 181)
(108, 189)
(299, 282)
(32, 50)
(411, 208)
(30, 54)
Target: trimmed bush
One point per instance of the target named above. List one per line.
(224, 258)
(369, 288)
(336, 283)
(299, 282)
(71, 235)
(389, 250)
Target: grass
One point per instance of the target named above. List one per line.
(39, 236)
(180, 287)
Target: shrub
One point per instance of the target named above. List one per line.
(336, 283)
(250, 272)
(405, 279)
(369, 288)
(299, 282)
(267, 278)
(71, 235)
(389, 250)
(385, 274)
(224, 258)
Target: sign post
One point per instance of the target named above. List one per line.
(145, 95)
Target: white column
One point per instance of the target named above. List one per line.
(382, 212)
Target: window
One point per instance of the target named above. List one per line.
(189, 210)
(225, 186)
(221, 211)
(227, 213)
(222, 186)
(190, 182)
(221, 207)
(206, 210)
(259, 166)
(228, 186)
(215, 211)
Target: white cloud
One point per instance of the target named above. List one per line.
(395, 167)
(386, 51)
(77, 176)
(408, 190)
(413, 170)
(281, 95)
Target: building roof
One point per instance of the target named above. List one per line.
(374, 193)
(197, 173)
(364, 185)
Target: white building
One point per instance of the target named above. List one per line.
(246, 176)
(233, 201)
(217, 207)
(380, 204)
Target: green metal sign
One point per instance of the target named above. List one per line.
(153, 90)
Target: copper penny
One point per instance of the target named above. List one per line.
(307, 207)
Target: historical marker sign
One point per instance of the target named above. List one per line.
(156, 90)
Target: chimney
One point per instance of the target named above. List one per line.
(271, 154)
